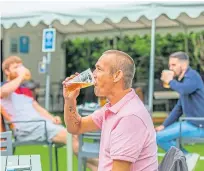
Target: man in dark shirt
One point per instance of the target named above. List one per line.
(188, 83)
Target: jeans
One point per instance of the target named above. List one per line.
(167, 137)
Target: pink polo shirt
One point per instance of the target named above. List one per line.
(127, 134)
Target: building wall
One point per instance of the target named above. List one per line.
(31, 59)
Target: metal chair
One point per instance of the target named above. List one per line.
(9, 126)
(90, 148)
(6, 143)
(189, 140)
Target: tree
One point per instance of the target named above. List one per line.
(198, 53)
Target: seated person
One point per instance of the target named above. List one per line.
(188, 83)
(20, 105)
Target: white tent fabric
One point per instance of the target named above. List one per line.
(118, 17)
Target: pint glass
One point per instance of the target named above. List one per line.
(83, 80)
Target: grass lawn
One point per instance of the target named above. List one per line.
(43, 151)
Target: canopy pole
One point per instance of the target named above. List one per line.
(151, 70)
(115, 42)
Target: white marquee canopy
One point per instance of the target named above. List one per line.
(109, 17)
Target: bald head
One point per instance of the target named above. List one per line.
(122, 61)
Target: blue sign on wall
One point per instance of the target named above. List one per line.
(24, 44)
(48, 40)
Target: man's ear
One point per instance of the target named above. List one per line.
(117, 76)
(184, 66)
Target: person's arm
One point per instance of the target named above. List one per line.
(43, 112)
(120, 165)
(174, 115)
(74, 122)
(10, 87)
(188, 86)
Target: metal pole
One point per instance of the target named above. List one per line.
(69, 153)
(151, 70)
(47, 92)
(115, 43)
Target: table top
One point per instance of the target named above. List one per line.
(166, 95)
(28, 162)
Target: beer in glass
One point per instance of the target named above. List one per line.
(166, 85)
(83, 80)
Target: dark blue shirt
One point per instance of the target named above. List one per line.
(191, 101)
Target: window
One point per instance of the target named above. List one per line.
(14, 45)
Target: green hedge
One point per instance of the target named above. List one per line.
(81, 54)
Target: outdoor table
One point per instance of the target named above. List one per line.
(21, 163)
(166, 95)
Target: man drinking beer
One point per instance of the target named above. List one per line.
(128, 139)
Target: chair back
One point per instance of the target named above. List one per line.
(6, 143)
(86, 110)
(89, 139)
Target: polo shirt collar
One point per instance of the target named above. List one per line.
(116, 107)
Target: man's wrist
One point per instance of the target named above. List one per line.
(68, 102)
